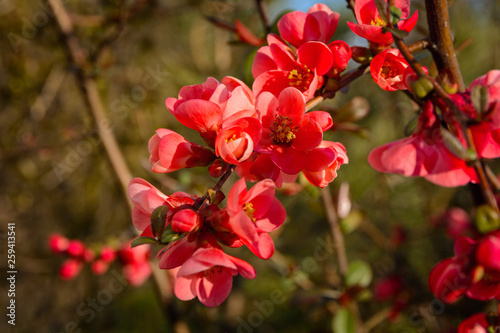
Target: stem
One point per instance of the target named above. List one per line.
(263, 16)
(217, 187)
(90, 91)
(338, 237)
(344, 81)
(441, 46)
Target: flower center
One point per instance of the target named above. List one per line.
(387, 71)
(282, 130)
(300, 77)
(249, 210)
(231, 138)
(378, 22)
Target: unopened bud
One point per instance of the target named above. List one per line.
(486, 219)
(218, 168)
(480, 98)
(454, 145)
(422, 87)
(361, 55)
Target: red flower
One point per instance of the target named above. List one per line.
(135, 260)
(287, 131)
(204, 107)
(370, 24)
(58, 243)
(277, 67)
(208, 275)
(473, 270)
(341, 55)
(474, 324)
(170, 152)
(333, 155)
(423, 154)
(318, 24)
(236, 140)
(70, 268)
(146, 198)
(388, 70)
(486, 133)
(254, 213)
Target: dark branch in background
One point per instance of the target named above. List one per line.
(263, 16)
(120, 168)
(91, 93)
(441, 40)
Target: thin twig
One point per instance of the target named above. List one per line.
(338, 237)
(263, 16)
(344, 81)
(91, 93)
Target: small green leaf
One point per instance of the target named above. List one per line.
(158, 218)
(395, 13)
(142, 240)
(358, 274)
(486, 219)
(382, 10)
(398, 32)
(169, 235)
(343, 322)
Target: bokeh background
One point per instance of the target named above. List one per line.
(55, 176)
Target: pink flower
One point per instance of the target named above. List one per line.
(370, 23)
(170, 152)
(323, 163)
(208, 275)
(456, 222)
(388, 70)
(341, 55)
(473, 270)
(318, 24)
(75, 248)
(146, 198)
(486, 134)
(288, 133)
(136, 267)
(276, 67)
(70, 268)
(58, 243)
(99, 267)
(236, 140)
(474, 324)
(204, 107)
(423, 154)
(254, 213)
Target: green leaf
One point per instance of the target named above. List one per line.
(343, 322)
(395, 13)
(169, 235)
(398, 32)
(142, 240)
(358, 274)
(158, 218)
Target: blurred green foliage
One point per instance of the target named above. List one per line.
(56, 178)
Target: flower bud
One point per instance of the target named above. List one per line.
(218, 168)
(486, 219)
(58, 243)
(70, 269)
(422, 87)
(185, 220)
(75, 248)
(361, 55)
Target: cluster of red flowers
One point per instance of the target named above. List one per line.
(134, 261)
